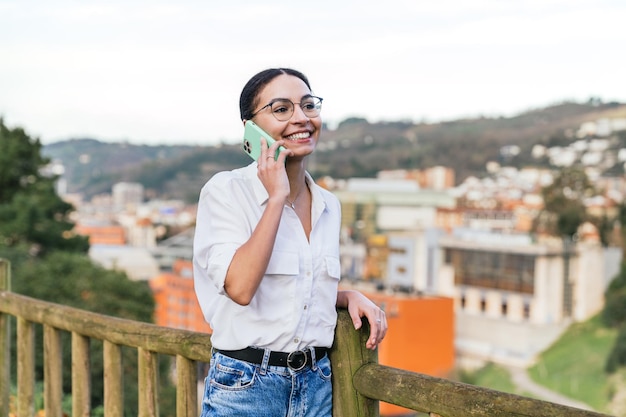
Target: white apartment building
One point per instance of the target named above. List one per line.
(514, 299)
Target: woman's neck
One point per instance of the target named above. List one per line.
(296, 173)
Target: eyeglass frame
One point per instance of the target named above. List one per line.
(292, 103)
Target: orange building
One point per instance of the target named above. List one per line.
(420, 337)
(102, 235)
(175, 299)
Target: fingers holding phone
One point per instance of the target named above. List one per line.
(270, 156)
(272, 152)
(272, 171)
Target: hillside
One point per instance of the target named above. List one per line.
(356, 148)
(573, 366)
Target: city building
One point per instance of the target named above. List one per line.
(137, 263)
(179, 246)
(175, 299)
(127, 195)
(371, 206)
(513, 298)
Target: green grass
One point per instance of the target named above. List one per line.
(494, 377)
(491, 376)
(574, 365)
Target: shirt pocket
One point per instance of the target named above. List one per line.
(333, 267)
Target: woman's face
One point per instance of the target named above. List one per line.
(300, 132)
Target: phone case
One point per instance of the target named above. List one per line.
(252, 140)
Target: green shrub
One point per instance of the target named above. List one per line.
(614, 312)
(617, 357)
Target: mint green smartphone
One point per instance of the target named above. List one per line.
(252, 140)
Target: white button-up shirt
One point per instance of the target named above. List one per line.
(294, 306)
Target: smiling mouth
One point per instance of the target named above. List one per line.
(298, 136)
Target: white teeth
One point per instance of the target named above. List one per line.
(297, 136)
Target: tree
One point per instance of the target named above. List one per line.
(50, 263)
(32, 214)
(614, 314)
(564, 209)
(617, 357)
(614, 311)
(621, 219)
(20, 161)
(74, 280)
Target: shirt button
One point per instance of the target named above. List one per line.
(305, 306)
(296, 340)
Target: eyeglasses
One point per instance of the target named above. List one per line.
(282, 108)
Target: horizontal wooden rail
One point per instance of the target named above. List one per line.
(452, 399)
(192, 345)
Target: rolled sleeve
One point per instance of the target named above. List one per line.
(220, 231)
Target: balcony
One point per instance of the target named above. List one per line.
(359, 381)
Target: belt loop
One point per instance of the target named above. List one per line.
(265, 362)
(313, 359)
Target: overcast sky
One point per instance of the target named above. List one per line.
(153, 72)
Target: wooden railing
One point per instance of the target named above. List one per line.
(359, 381)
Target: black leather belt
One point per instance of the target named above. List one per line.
(296, 360)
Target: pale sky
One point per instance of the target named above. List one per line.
(170, 72)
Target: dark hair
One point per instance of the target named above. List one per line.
(248, 98)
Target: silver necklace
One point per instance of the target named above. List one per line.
(293, 203)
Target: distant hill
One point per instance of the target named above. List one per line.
(356, 148)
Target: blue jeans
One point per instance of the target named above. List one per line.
(238, 388)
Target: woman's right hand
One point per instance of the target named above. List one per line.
(272, 172)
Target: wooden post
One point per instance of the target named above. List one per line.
(52, 372)
(25, 368)
(5, 342)
(148, 380)
(186, 387)
(347, 356)
(81, 376)
(113, 380)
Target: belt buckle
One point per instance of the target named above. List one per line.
(296, 360)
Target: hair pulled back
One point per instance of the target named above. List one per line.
(248, 98)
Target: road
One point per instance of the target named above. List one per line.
(521, 379)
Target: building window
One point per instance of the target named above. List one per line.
(498, 270)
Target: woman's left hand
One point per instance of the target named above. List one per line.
(360, 306)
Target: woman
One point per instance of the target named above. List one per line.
(266, 265)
